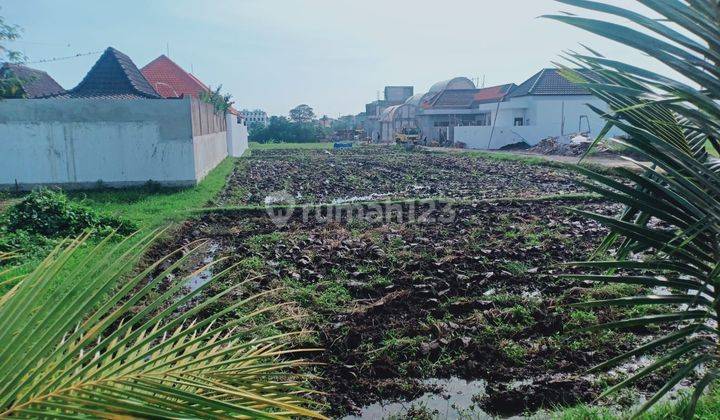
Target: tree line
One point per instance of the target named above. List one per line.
(300, 127)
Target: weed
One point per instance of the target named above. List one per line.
(258, 243)
(513, 351)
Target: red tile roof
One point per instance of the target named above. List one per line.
(493, 94)
(170, 80)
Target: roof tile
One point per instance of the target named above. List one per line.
(35, 83)
(113, 76)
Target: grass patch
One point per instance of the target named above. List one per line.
(151, 206)
(145, 208)
(708, 409)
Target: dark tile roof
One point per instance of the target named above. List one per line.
(548, 82)
(114, 76)
(34, 83)
(457, 98)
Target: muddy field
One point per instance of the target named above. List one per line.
(454, 304)
(371, 173)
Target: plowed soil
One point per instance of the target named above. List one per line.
(470, 290)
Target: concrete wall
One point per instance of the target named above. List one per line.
(543, 116)
(78, 143)
(237, 136)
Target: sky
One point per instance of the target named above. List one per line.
(335, 55)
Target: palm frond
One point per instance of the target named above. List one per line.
(98, 349)
(667, 237)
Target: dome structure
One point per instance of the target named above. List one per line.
(388, 113)
(456, 83)
(416, 100)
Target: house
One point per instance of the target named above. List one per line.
(31, 83)
(454, 103)
(393, 95)
(112, 129)
(113, 76)
(545, 105)
(325, 121)
(257, 116)
(171, 81)
(448, 104)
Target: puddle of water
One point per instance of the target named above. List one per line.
(204, 276)
(455, 402)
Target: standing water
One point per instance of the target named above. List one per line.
(204, 276)
(455, 402)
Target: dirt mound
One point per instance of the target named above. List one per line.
(553, 146)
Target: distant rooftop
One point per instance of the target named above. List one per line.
(493, 93)
(170, 80)
(114, 76)
(548, 82)
(34, 83)
(465, 98)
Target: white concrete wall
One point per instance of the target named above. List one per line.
(209, 151)
(544, 116)
(77, 143)
(237, 136)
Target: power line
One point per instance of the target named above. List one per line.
(48, 60)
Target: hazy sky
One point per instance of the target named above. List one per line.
(331, 54)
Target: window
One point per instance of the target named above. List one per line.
(485, 119)
(519, 121)
(441, 124)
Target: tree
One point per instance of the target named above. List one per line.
(280, 129)
(9, 86)
(302, 114)
(138, 347)
(9, 33)
(220, 101)
(667, 239)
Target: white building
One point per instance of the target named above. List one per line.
(256, 116)
(546, 105)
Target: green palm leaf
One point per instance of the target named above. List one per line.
(668, 235)
(87, 350)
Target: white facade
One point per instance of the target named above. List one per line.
(256, 116)
(533, 118)
(80, 143)
(237, 136)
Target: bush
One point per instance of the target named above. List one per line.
(50, 214)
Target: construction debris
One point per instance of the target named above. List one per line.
(553, 146)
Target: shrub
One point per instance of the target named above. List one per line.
(50, 214)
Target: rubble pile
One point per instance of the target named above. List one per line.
(553, 146)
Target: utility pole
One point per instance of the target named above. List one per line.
(167, 49)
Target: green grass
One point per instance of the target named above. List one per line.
(708, 409)
(276, 146)
(153, 207)
(149, 208)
